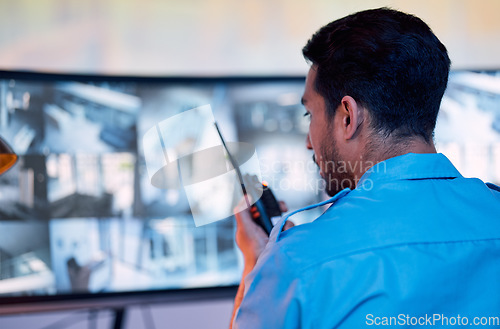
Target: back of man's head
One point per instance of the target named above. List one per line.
(389, 62)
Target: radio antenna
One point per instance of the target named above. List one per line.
(234, 164)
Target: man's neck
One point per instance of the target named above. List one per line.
(391, 149)
(387, 148)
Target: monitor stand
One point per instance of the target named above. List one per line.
(119, 316)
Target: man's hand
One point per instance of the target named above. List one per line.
(250, 237)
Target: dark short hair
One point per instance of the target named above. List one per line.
(388, 61)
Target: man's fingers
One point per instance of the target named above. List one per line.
(288, 225)
(283, 206)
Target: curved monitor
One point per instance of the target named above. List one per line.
(80, 220)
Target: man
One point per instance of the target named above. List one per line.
(410, 241)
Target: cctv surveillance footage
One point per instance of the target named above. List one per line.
(78, 212)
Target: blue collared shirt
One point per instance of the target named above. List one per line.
(414, 243)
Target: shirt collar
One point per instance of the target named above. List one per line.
(411, 166)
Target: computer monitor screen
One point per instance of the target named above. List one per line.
(468, 126)
(78, 213)
(79, 216)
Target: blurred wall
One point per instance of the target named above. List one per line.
(216, 37)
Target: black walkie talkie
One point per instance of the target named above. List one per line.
(266, 207)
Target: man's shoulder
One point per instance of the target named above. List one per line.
(494, 187)
(391, 216)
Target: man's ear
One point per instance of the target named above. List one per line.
(352, 116)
